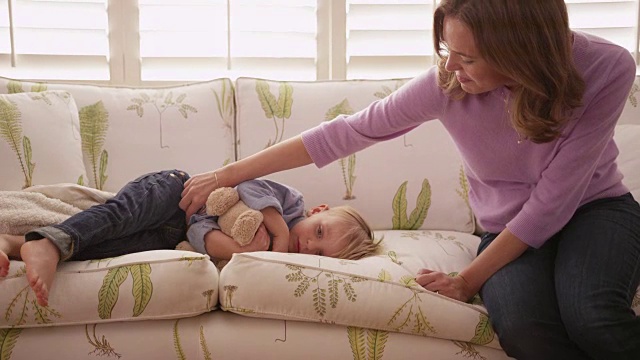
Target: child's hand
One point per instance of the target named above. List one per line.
(260, 242)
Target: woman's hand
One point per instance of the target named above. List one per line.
(454, 287)
(260, 242)
(196, 191)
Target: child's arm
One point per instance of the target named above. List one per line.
(221, 246)
(277, 227)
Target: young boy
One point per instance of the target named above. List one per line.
(338, 232)
(144, 215)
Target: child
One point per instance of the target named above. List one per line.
(144, 215)
(337, 232)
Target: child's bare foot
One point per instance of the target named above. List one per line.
(9, 247)
(41, 258)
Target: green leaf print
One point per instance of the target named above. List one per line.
(356, 337)
(376, 340)
(14, 87)
(102, 174)
(110, 290)
(285, 100)
(11, 131)
(28, 155)
(203, 345)
(8, 340)
(484, 331)
(142, 287)
(632, 95)
(94, 123)
(176, 342)
(276, 109)
(39, 87)
(400, 220)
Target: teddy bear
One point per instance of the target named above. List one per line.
(235, 218)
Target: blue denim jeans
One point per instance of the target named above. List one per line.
(571, 298)
(144, 215)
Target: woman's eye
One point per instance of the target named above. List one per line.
(467, 61)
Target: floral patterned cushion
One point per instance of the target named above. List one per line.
(378, 292)
(162, 284)
(39, 140)
(127, 132)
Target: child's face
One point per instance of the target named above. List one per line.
(318, 234)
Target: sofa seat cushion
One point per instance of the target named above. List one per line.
(378, 292)
(39, 140)
(161, 284)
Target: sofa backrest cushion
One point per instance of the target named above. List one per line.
(631, 111)
(413, 182)
(127, 132)
(39, 140)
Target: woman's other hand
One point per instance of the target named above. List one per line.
(454, 287)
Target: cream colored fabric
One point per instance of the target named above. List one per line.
(44, 205)
(127, 132)
(221, 335)
(161, 284)
(39, 140)
(627, 138)
(419, 173)
(377, 292)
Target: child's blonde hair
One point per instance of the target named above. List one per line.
(357, 233)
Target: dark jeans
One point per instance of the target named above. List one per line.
(571, 299)
(143, 216)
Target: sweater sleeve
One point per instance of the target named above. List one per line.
(417, 101)
(563, 183)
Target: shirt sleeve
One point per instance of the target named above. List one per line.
(419, 100)
(259, 194)
(563, 184)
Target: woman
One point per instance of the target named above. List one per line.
(532, 108)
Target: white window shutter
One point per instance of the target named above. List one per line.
(54, 39)
(203, 39)
(389, 39)
(614, 20)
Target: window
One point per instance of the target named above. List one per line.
(135, 42)
(74, 45)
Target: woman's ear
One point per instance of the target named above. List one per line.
(317, 209)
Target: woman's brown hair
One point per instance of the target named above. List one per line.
(528, 41)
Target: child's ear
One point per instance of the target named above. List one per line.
(317, 209)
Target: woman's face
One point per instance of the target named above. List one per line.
(474, 73)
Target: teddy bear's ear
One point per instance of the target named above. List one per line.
(221, 200)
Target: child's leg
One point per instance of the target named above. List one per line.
(9, 248)
(144, 215)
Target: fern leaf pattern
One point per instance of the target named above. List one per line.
(142, 287)
(400, 220)
(356, 337)
(8, 340)
(94, 123)
(110, 290)
(176, 342)
(11, 131)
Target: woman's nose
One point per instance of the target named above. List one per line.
(451, 65)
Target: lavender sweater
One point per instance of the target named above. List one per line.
(532, 189)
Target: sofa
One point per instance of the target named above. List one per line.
(87, 141)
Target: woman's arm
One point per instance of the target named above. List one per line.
(505, 248)
(286, 155)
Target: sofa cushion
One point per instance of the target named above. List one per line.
(39, 140)
(627, 138)
(418, 173)
(631, 112)
(127, 132)
(161, 284)
(378, 292)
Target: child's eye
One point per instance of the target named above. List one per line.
(319, 232)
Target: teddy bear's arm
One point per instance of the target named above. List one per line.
(278, 228)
